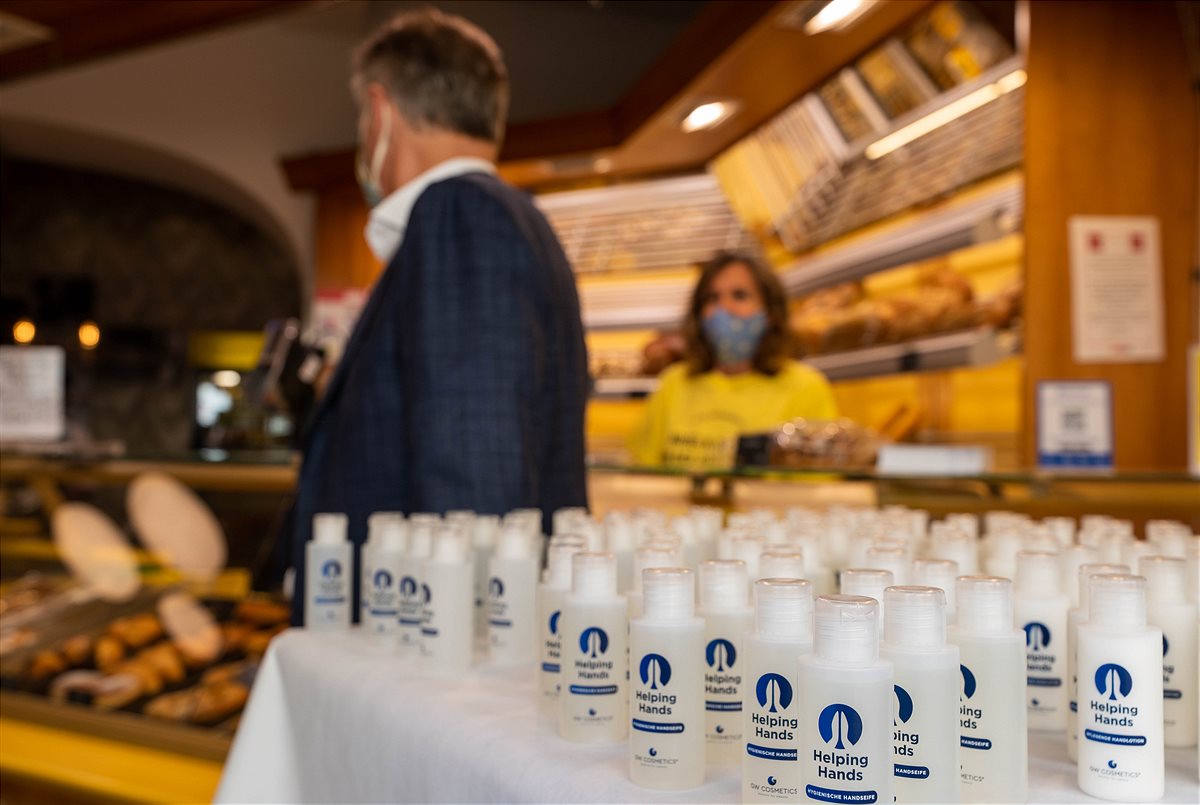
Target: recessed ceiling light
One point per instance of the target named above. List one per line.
(836, 14)
(708, 115)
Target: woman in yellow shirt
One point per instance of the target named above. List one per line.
(737, 376)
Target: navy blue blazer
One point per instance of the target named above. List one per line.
(464, 382)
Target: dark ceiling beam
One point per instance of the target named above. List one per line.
(91, 29)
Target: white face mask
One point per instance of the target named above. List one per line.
(369, 175)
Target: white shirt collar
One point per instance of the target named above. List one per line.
(389, 220)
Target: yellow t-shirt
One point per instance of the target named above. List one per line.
(693, 421)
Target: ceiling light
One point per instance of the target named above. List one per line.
(24, 331)
(226, 379)
(947, 113)
(89, 335)
(708, 115)
(835, 15)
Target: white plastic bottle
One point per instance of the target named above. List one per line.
(593, 706)
(448, 629)
(555, 585)
(666, 739)
(994, 746)
(484, 528)
(382, 560)
(1040, 608)
(845, 692)
(1075, 617)
(727, 618)
(1121, 756)
(328, 565)
(782, 632)
(1169, 609)
(869, 582)
(926, 671)
(939, 573)
(412, 583)
(511, 600)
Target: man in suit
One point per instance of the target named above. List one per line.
(464, 382)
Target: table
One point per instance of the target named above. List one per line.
(332, 718)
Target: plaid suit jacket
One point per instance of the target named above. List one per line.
(464, 382)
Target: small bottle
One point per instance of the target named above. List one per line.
(727, 618)
(845, 707)
(1169, 610)
(666, 742)
(328, 565)
(511, 599)
(484, 528)
(781, 564)
(555, 585)
(782, 632)
(1121, 756)
(939, 573)
(925, 736)
(868, 582)
(593, 707)
(1071, 559)
(413, 590)
(1075, 617)
(448, 628)
(382, 560)
(1040, 608)
(994, 745)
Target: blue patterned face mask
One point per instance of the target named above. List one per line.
(734, 339)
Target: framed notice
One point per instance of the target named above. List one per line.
(1074, 424)
(31, 394)
(1116, 289)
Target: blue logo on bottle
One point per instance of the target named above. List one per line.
(426, 593)
(771, 781)
(968, 681)
(1166, 646)
(1114, 681)
(1037, 636)
(331, 569)
(719, 729)
(653, 752)
(654, 671)
(495, 588)
(383, 580)
(408, 586)
(593, 641)
(720, 653)
(774, 692)
(904, 705)
(554, 621)
(840, 721)
(1112, 764)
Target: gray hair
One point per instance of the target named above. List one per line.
(440, 70)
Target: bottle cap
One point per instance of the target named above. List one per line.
(846, 629)
(782, 564)
(449, 545)
(566, 520)
(618, 532)
(889, 557)
(558, 561)
(420, 539)
(1166, 579)
(915, 617)
(387, 530)
(723, 584)
(939, 573)
(484, 530)
(869, 582)
(985, 604)
(330, 529)
(749, 550)
(1117, 600)
(653, 555)
(784, 608)
(1038, 573)
(669, 593)
(594, 575)
(1063, 529)
(514, 543)
(1095, 569)
(684, 529)
(425, 518)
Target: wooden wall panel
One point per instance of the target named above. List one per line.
(343, 258)
(1111, 129)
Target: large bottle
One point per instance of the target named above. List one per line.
(845, 692)
(554, 587)
(727, 618)
(994, 746)
(1075, 617)
(593, 707)
(328, 564)
(382, 563)
(448, 627)
(1171, 611)
(1121, 755)
(926, 671)
(511, 599)
(1040, 608)
(666, 741)
(782, 633)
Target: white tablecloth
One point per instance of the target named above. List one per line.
(331, 719)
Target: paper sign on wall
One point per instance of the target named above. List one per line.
(1116, 289)
(1074, 424)
(31, 394)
